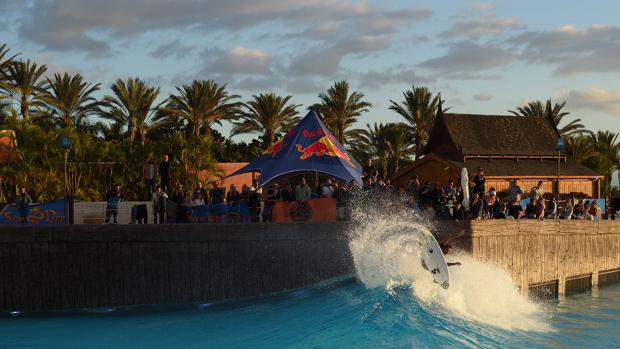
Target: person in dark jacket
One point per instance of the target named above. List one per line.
(112, 198)
(476, 207)
(22, 204)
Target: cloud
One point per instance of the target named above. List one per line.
(90, 25)
(482, 96)
(326, 61)
(237, 61)
(573, 50)
(377, 79)
(592, 99)
(467, 57)
(486, 26)
(174, 48)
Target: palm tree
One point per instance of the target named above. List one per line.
(399, 144)
(340, 109)
(418, 108)
(133, 106)
(554, 111)
(25, 84)
(70, 99)
(267, 114)
(372, 142)
(579, 148)
(607, 147)
(4, 63)
(201, 104)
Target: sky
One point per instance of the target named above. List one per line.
(484, 57)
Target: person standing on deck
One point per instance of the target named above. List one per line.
(164, 173)
(22, 204)
(112, 198)
(303, 191)
(149, 176)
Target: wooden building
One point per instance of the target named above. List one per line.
(506, 147)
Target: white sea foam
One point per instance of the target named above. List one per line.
(385, 252)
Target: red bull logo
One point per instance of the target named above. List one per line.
(275, 148)
(324, 146)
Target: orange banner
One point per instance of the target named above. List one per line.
(315, 210)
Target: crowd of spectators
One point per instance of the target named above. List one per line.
(433, 200)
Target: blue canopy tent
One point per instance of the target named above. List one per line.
(307, 147)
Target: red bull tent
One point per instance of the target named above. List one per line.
(307, 147)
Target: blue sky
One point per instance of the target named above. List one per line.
(484, 57)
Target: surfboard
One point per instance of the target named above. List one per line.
(433, 259)
(465, 187)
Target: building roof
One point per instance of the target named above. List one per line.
(526, 168)
(8, 147)
(477, 134)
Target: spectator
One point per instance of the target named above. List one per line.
(149, 176)
(254, 200)
(342, 199)
(164, 173)
(302, 191)
(476, 206)
(567, 211)
(368, 171)
(413, 187)
(551, 209)
(540, 208)
(530, 209)
(458, 213)
(156, 198)
(244, 196)
(479, 181)
(200, 191)
(412, 204)
(491, 204)
(327, 189)
(180, 198)
(515, 210)
(536, 192)
(217, 193)
(199, 199)
(595, 211)
(233, 196)
(514, 191)
(23, 201)
(112, 199)
(272, 195)
(287, 193)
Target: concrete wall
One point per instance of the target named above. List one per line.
(88, 212)
(59, 267)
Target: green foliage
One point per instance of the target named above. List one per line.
(418, 108)
(267, 114)
(340, 109)
(555, 112)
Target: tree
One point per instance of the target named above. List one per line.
(133, 106)
(399, 144)
(25, 84)
(268, 115)
(418, 108)
(70, 100)
(555, 112)
(579, 148)
(371, 142)
(201, 104)
(5, 60)
(340, 109)
(607, 147)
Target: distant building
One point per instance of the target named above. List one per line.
(506, 147)
(8, 147)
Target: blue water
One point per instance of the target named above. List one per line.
(343, 314)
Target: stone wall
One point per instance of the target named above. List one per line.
(60, 267)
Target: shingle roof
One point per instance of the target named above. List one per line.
(501, 134)
(526, 168)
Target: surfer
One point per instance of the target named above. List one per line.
(445, 246)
